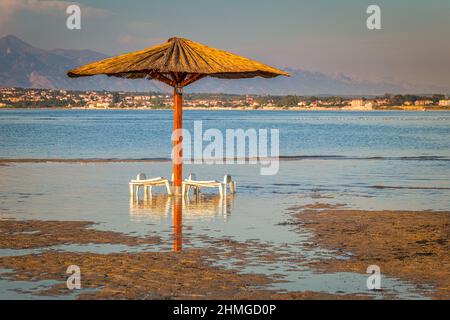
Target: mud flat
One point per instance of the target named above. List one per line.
(152, 275)
(190, 274)
(409, 245)
(29, 234)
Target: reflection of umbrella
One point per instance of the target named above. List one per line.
(178, 63)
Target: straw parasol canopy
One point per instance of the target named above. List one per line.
(178, 63)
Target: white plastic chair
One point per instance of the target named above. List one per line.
(147, 184)
(197, 184)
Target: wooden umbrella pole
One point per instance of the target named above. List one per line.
(177, 224)
(178, 149)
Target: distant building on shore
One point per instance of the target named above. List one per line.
(98, 105)
(359, 104)
(444, 103)
(423, 102)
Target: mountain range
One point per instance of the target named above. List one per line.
(23, 65)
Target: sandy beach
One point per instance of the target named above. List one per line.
(144, 275)
(412, 246)
(158, 275)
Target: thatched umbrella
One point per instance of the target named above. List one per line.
(178, 63)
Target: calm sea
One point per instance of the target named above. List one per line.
(146, 134)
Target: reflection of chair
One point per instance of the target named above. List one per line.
(207, 206)
(197, 184)
(156, 206)
(201, 207)
(147, 184)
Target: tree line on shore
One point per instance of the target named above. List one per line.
(22, 97)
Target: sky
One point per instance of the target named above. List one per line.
(328, 36)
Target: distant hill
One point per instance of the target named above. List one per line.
(22, 65)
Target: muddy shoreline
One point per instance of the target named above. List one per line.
(410, 245)
(190, 274)
(29, 234)
(152, 275)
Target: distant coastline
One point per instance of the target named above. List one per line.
(105, 100)
(331, 108)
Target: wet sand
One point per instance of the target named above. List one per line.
(152, 275)
(190, 274)
(15, 234)
(409, 245)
